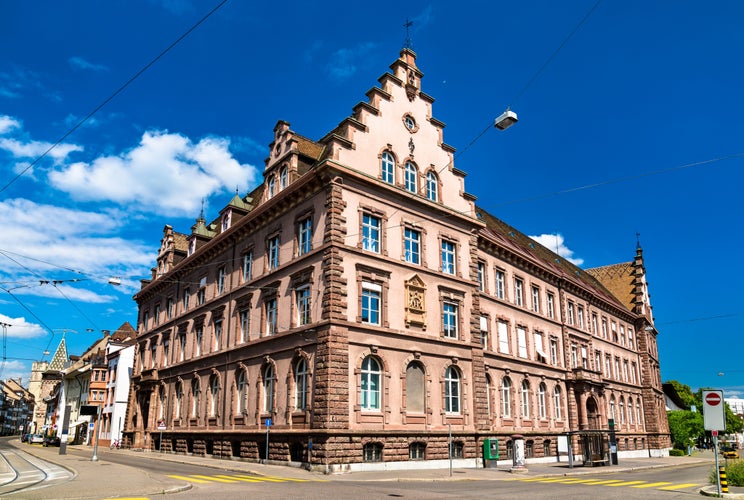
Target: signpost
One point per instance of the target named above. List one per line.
(161, 427)
(268, 426)
(714, 420)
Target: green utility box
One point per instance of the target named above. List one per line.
(491, 449)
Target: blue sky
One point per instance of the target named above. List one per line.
(643, 103)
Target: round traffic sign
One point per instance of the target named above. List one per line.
(713, 398)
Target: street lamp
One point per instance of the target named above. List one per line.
(505, 120)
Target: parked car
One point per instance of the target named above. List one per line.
(51, 441)
(731, 453)
(25, 437)
(36, 439)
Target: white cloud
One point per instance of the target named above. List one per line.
(165, 172)
(51, 241)
(34, 149)
(80, 63)
(15, 370)
(343, 63)
(556, 243)
(20, 328)
(8, 123)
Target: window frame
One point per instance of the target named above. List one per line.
(387, 167)
(448, 256)
(410, 177)
(304, 235)
(412, 245)
(432, 186)
(452, 391)
(370, 390)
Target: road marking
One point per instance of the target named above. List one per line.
(627, 483)
(214, 478)
(188, 478)
(652, 485)
(679, 486)
(603, 481)
(245, 479)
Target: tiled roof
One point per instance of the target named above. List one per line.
(59, 360)
(308, 147)
(521, 244)
(617, 278)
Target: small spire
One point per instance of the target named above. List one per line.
(408, 44)
(201, 214)
(638, 241)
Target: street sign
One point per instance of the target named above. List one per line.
(268, 422)
(714, 415)
(714, 433)
(161, 425)
(91, 425)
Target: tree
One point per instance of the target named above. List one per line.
(685, 427)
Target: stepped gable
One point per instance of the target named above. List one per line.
(617, 278)
(523, 245)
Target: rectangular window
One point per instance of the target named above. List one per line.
(604, 328)
(271, 315)
(201, 294)
(448, 257)
(449, 319)
(625, 371)
(584, 358)
(302, 298)
(580, 314)
(186, 299)
(244, 324)
(484, 331)
(595, 329)
(304, 236)
(571, 313)
(614, 331)
(551, 305)
(247, 266)
(539, 351)
(198, 340)
(169, 308)
(503, 337)
(371, 233)
(217, 334)
(500, 284)
(574, 356)
(608, 366)
(182, 347)
(273, 252)
(617, 368)
(412, 246)
(630, 338)
(622, 335)
(522, 342)
(634, 372)
(536, 299)
(481, 276)
(518, 292)
(156, 316)
(220, 280)
(598, 361)
(553, 351)
(166, 353)
(371, 293)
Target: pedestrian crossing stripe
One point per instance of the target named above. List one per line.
(653, 485)
(679, 486)
(239, 478)
(660, 485)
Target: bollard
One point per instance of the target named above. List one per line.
(724, 482)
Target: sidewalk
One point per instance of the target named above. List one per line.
(133, 481)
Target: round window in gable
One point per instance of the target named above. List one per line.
(410, 123)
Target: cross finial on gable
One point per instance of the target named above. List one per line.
(408, 44)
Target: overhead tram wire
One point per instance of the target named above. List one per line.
(112, 96)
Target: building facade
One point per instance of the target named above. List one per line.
(119, 358)
(362, 306)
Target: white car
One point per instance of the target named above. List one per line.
(36, 439)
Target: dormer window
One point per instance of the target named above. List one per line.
(192, 246)
(283, 178)
(226, 221)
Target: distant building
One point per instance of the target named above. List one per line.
(360, 304)
(16, 408)
(119, 359)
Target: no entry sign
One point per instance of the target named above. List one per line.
(714, 416)
(713, 398)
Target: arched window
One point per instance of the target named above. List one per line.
(541, 406)
(622, 410)
(432, 186)
(411, 178)
(630, 411)
(214, 395)
(452, 390)
(301, 376)
(387, 168)
(269, 380)
(242, 393)
(179, 400)
(415, 391)
(638, 412)
(283, 178)
(272, 186)
(506, 397)
(612, 408)
(161, 401)
(370, 384)
(488, 396)
(525, 399)
(195, 390)
(558, 402)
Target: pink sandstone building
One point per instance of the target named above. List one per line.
(361, 304)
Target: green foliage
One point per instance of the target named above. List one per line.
(677, 453)
(685, 427)
(734, 424)
(734, 473)
(685, 394)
